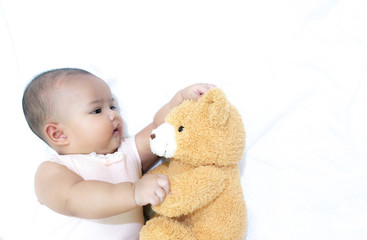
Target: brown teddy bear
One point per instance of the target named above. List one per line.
(204, 140)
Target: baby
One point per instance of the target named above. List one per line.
(94, 187)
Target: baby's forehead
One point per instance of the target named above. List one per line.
(82, 82)
(83, 86)
(75, 79)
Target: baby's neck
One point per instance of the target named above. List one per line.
(70, 152)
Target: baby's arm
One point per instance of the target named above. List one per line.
(142, 138)
(67, 193)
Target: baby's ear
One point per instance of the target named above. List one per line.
(55, 134)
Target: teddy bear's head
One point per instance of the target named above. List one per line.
(204, 132)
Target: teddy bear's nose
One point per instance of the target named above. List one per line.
(152, 136)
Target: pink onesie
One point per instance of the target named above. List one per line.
(121, 166)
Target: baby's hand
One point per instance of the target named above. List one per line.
(196, 91)
(151, 189)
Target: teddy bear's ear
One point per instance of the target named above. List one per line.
(218, 107)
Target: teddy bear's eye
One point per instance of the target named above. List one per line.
(180, 129)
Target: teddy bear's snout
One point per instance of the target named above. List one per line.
(162, 141)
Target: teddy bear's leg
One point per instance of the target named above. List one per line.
(162, 228)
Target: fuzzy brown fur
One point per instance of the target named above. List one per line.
(206, 200)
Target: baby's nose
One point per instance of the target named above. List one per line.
(112, 115)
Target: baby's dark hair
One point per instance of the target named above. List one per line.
(37, 100)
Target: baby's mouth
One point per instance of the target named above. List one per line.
(116, 130)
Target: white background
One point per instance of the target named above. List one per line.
(296, 70)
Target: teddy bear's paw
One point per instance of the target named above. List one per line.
(161, 228)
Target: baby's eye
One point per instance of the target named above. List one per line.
(113, 108)
(97, 111)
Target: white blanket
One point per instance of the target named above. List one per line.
(296, 70)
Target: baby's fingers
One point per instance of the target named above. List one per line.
(163, 182)
(160, 195)
(203, 88)
(200, 89)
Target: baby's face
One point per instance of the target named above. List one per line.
(89, 115)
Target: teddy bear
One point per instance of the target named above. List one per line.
(204, 141)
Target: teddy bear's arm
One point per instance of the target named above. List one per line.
(192, 190)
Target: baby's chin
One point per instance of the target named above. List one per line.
(116, 147)
(109, 150)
